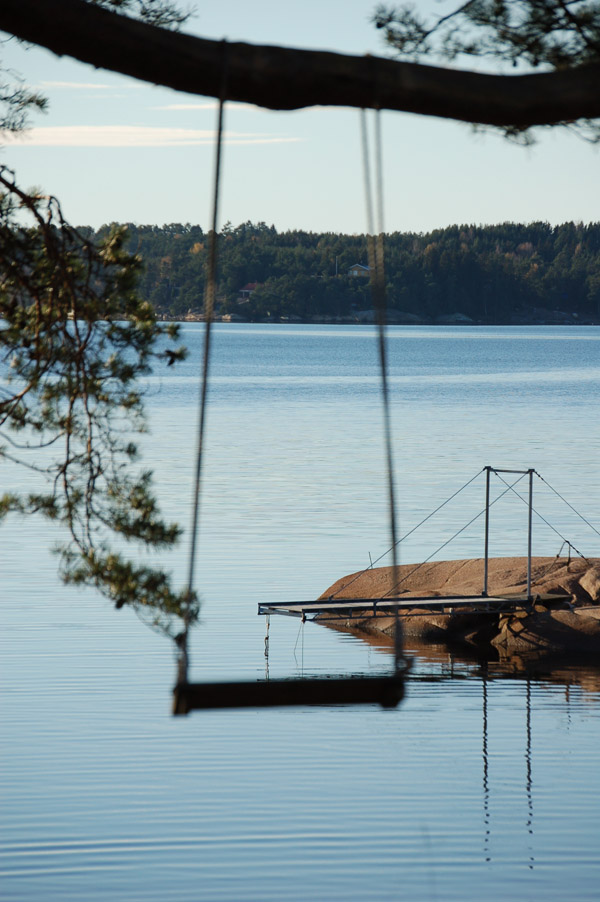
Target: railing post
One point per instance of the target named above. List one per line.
(529, 530)
(487, 530)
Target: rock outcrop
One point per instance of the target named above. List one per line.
(570, 626)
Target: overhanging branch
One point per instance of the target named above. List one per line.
(281, 78)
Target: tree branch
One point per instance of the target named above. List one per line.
(281, 78)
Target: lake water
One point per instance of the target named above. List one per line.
(483, 784)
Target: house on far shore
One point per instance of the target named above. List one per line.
(358, 271)
(245, 293)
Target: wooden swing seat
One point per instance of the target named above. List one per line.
(386, 691)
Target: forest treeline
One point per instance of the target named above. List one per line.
(506, 273)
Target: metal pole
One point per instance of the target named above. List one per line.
(531, 472)
(487, 530)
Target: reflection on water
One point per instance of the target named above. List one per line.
(486, 785)
(439, 662)
(487, 802)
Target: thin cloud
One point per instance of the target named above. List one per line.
(132, 136)
(77, 85)
(265, 140)
(207, 105)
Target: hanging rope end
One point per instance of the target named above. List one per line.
(180, 700)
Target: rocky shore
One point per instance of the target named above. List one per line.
(566, 626)
(534, 316)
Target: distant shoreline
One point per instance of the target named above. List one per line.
(347, 321)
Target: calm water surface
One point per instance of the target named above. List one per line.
(483, 784)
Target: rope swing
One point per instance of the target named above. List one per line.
(384, 690)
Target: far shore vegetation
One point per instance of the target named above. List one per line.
(508, 274)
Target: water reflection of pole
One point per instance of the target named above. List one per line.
(268, 618)
(529, 784)
(486, 787)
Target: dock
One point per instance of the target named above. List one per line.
(332, 607)
(361, 608)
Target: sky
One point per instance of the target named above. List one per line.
(116, 150)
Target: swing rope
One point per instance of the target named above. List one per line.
(209, 306)
(378, 295)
